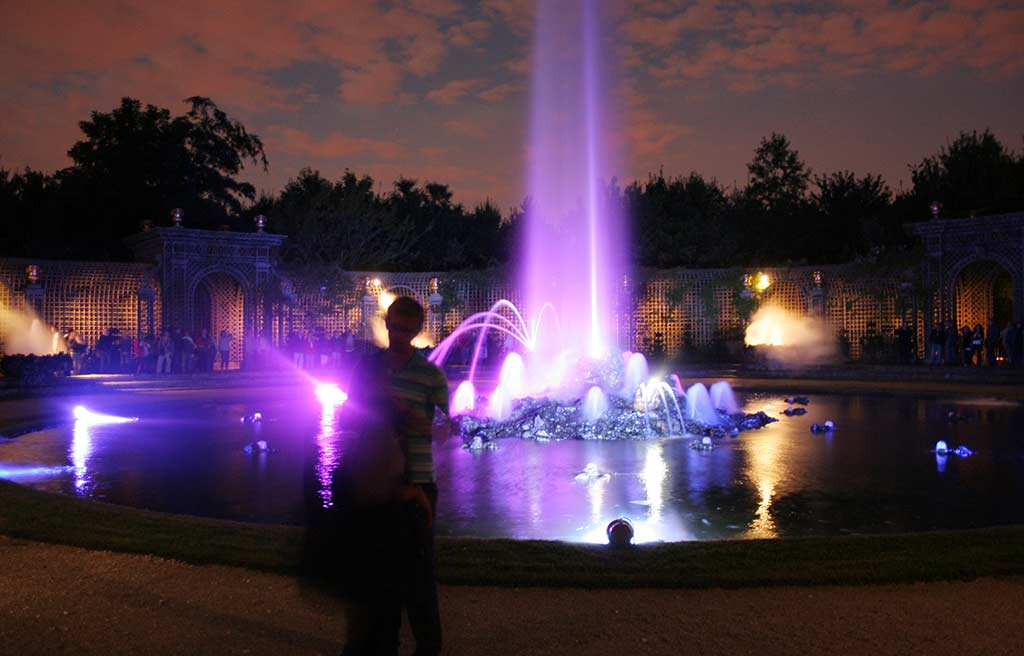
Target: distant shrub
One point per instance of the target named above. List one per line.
(35, 369)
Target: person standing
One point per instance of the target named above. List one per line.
(224, 345)
(936, 339)
(952, 344)
(78, 347)
(415, 388)
(977, 344)
(165, 353)
(991, 343)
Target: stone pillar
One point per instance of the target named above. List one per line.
(369, 310)
(146, 325)
(818, 300)
(436, 319)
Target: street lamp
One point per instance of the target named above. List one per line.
(177, 214)
(261, 222)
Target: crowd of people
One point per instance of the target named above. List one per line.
(174, 351)
(968, 346)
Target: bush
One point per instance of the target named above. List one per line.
(35, 369)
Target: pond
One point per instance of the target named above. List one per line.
(877, 473)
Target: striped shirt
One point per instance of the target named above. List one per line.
(416, 389)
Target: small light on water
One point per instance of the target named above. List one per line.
(83, 414)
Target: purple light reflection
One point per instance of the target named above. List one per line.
(328, 454)
(81, 449)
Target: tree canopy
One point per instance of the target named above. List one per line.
(135, 163)
(139, 162)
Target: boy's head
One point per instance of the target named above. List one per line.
(404, 320)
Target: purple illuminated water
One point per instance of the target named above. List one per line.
(572, 255)
(187, 456)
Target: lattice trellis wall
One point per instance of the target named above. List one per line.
(225, 310)
(691, 308)
(314, 312)
(975, 294)
(89, 297)
(688, 307)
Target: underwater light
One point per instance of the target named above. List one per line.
(87, 416)
(330, 394)
(620, 532)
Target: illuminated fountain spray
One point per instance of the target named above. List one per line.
(22, 331)
(565, 375)
(574, 240)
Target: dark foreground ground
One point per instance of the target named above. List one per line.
(65, 600)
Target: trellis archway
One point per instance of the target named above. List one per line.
(219, 305)
(983, 292)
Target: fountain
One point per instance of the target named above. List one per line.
(23, 332)
(566, 378)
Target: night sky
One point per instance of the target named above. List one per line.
(439, 89)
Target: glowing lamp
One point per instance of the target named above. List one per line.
(177, 214)
(32, 271)
(330, 394)
(89, 418)
(941, 447)
(619, 532)
(762, 283)
(261, 222)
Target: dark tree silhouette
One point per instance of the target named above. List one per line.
(975, 174)
(136, 163)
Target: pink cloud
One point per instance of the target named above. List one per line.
(499, 92)
(375, 83)
(453, 91)
(285, 139)
(468, 34)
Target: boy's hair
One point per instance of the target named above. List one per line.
(407, 307)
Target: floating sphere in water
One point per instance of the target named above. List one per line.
(620, 532)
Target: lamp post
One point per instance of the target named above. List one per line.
(935, 208)
(261, 222)
(177, 214)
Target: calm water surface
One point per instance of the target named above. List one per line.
(876, 473)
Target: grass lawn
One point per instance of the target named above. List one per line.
(46, 517)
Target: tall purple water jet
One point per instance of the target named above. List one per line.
(574, 238)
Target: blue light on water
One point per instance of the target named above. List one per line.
(14, 472)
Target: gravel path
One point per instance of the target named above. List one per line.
(65, 600)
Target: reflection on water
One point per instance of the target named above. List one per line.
(765, 468)
(877, 473)
(327, 452)
(81, 447)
